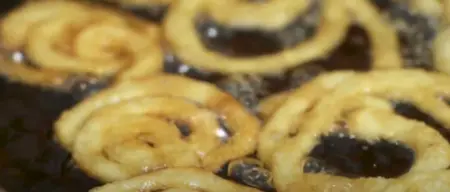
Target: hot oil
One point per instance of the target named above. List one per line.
(342, 155)
(26, 122)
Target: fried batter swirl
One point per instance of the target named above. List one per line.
(64, 38)
(131, 128)
(182, 15)
(362, 101)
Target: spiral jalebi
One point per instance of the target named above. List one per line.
(65, 38)
(131, 128)
(188, 47)
(362, 101)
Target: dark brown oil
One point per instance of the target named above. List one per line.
(32, 159)
(354, 158)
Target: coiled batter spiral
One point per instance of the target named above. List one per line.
(362, 101)
(131, 128)
(268, 16)
(63, 38)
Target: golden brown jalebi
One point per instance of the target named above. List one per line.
(180, 31)
(130, 128)
(175, 179)
(362, 101)
(64, 37)
(15, 26)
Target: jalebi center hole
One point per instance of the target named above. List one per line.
(353, 53)
(341, 154)
(249, 43)
(222, 132)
